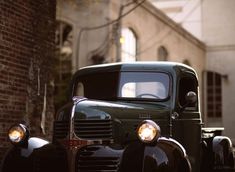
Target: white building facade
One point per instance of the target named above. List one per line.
(94, 35)
(212, 21)
(105, 31)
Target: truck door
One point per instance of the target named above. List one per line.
(186, 119)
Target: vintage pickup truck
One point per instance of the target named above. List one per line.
(126, 117)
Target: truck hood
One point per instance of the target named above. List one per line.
(90, 109)
(108, 120)
(125, 116)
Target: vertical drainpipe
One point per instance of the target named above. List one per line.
(118, 33)
(78, 48)
(204, 93)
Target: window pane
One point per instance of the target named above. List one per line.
(101, 86)
(214, 95)
(162, 54)
(217, 79)
(209, 78)
(129, 90)
(128, 45)
(144, 85)
(187, 84)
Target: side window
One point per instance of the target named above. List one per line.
(99, 85)
(79, 89)
(186, 84)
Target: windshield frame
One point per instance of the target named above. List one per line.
(118, 74)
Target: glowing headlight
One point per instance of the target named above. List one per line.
(148, 131)
(18, 134)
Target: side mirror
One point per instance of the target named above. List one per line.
(191, 97)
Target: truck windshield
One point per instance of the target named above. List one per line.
(148, 85)
(132, 85)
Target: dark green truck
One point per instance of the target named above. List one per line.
(124, 117)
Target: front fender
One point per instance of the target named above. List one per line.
(37, 155)
(166, 155)
(33, 143)
(223, 153)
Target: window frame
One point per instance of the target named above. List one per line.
(213, 92)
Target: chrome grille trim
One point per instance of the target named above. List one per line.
(86, 161)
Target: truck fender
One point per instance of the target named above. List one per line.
(33, 143)
(37, 155)
(20, 155)
(165, 155)
(223, 153)
(176, 154)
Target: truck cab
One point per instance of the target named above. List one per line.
(140, 116)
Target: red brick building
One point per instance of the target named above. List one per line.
(27, 30)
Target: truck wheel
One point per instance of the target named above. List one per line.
(185, 166)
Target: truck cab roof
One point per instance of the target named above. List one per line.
(136, 66)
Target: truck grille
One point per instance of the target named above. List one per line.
(93, 129)
(61, 129)
(88, 162)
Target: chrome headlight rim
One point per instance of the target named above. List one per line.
(151, 127)
(18, 134)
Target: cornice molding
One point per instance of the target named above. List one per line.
(221, 48)
(169, 22)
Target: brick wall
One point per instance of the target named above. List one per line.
(26, 65)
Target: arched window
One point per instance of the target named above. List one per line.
(162, 54)
(128, 45)
(63, 68)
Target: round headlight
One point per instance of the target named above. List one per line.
(18, 134)
(148, 131)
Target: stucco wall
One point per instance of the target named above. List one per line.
(84, 16)
(218, 22)
(218, 33)
(153, 29)
(222, 62)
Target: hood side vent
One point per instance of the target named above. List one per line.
(93, 129)
(61, 129)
